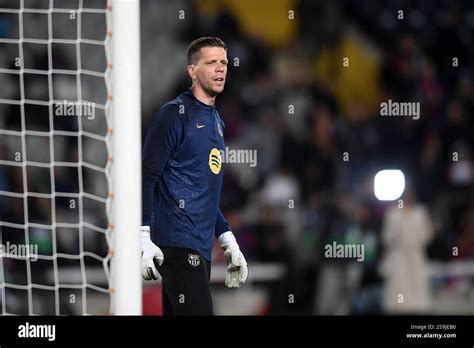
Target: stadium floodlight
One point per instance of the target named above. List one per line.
(389, 184)
(106, 81)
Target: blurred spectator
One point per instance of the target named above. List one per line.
(406, 233)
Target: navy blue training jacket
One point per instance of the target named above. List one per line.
(182, 174)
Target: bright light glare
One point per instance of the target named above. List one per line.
(389, 184)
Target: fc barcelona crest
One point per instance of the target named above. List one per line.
(194, 260)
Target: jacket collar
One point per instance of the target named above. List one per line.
(189, 95)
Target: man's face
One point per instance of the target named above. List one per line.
(210, 70)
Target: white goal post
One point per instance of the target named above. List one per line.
(127, 158)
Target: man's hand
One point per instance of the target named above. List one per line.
(151, 255)
(237, 270)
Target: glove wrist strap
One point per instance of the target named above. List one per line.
(145, 231)
(226, 239)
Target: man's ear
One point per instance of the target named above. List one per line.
(191, 72)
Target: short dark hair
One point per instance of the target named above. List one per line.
(196, 45)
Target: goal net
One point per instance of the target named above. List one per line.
(69, 157)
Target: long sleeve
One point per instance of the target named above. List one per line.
(221, 224)
(164, 135)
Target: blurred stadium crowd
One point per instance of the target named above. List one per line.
(315, 123)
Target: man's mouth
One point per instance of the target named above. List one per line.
(221, 79)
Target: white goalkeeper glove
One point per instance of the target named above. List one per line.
(237, 270)
(151, 255)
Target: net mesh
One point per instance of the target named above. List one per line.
(55, 157)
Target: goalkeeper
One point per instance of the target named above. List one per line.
(182, 179)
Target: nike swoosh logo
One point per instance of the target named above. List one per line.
(200, 125)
